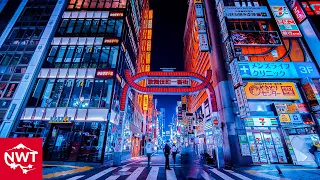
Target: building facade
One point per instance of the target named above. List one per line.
(71, 77)
(273, 68)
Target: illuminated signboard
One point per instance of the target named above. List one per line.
(105, 73)
(260, 12)
(312, 7)
(263, 121)
(204, 44)
(242, 102)
(168, 82)
(275, 70)
(60, 120)
(111, 41)
(284, 19)
(116, 14)
(201, 25)
(297, 10)
(199, 10)
(271, 90)
(145, 102)
(255, 38)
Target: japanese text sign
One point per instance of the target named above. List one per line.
(284, 118)
(145, 102)
(111, 41)
(271, 90)
(265, 121)
(255, 38)
(253, 12)
(168, 82)
(204, 43)
(284, 19)
(199, 10)
(277, 70)
(201, 25)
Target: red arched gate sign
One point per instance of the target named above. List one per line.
(132, 82)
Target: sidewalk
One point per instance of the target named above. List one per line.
(288, 172)
(52, 169)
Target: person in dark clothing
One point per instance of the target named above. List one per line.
(167, 150)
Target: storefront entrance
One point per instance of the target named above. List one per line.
(59, 146)
(265, 145)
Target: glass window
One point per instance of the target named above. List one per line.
(85, 95)
(96, 93)
(113, 56)
(15, 59)
(111, 25)
(118, 28)
(12, 87)
(6, 59)
(86, 26)
(78, 26)
(55, 95)
(2, 87)
(95, 56)
(75, 99)
(53, 51)
(70, 26)
(87, 56)
(46, 94)
(61, 53)
(103, 26)
(64, 98)
(104, 57)
(95, 25)
(5, 103)
(77, 56)
(25, 59)
(68, 57)
(106, 94)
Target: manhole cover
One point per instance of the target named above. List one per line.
(122, 173)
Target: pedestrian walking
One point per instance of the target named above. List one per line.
(167, 150)
(174, 151)
(279, 170)
(149, 149)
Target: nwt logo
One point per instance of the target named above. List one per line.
(21, 158)
(15, 158)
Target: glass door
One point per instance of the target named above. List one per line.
(57, 145)
(261, 147)
(270, 149)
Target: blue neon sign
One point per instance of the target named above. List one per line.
(278, 70)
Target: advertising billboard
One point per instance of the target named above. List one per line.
(256, 38)
(276, 70)
(312, 7)
(201, 25)
(297, 10)
(310, 88)
(284, 19)
(253, 12)
(271, 90)
(204, 44)
(168, 82)
(261, 121)
(105, 73)
(145, 104)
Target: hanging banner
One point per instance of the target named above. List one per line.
(284, 19)
(248, 12)
(201, 25)
(256, 38)
(271, 90)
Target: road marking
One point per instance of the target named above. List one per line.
(68, 172)
(113, 177)
(265, 175)
(100, 174)
(288, 169)
(171, 175)
(237, 175)
(136, 173)
(222, 175)
(75, 177)
(125, 169)
(206, 176)
(153, 174)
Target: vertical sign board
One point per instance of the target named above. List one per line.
(145, 102)
(297, 10)
(202, 31)
(284, 19)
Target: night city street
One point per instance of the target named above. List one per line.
(159, 89)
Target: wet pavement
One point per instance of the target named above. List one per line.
(136, 168)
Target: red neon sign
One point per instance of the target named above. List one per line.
(105, 73)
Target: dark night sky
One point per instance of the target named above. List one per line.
(167, 44)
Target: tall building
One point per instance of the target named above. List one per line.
(64, 73)
(162, 119)
(271, 62)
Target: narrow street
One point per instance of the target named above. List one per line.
(136, 168)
